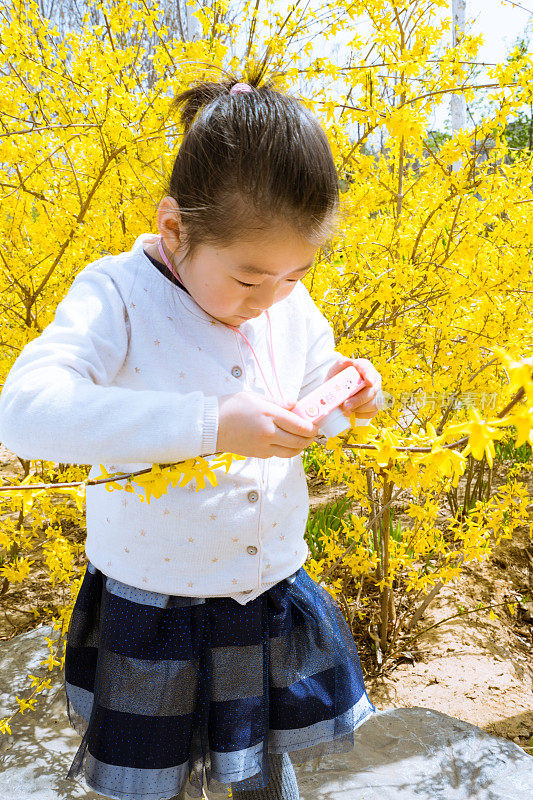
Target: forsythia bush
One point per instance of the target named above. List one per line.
(429, 277)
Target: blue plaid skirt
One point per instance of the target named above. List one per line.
(167, 689)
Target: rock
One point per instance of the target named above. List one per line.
(42, 744)
(399, 754)
(420, 754)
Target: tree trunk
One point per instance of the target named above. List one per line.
(458, 102)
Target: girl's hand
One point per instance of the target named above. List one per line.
(366, 400)
(250, 425)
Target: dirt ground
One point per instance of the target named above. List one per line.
(471, 667)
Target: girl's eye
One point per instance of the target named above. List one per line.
(250, 285)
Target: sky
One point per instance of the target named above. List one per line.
(500, 22)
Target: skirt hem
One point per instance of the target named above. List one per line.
(295, 755)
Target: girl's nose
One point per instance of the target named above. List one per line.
(263, 296)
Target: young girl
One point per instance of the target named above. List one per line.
(198, 642)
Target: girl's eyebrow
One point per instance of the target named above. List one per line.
(258, 271)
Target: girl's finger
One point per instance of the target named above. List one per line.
(338, 367)
(361, 397)
(368, 404)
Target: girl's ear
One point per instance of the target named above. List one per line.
(169, 223)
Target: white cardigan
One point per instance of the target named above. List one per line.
(128, 374)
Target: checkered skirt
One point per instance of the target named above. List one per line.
(172, 692)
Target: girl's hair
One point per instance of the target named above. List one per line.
(249, 161)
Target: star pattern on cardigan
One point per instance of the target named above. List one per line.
(137, 369)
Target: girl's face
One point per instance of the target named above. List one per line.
(239, 281)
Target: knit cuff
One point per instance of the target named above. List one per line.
(210, 425)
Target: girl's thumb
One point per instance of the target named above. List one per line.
(290, 404)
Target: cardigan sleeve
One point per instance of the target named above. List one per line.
(321, 353)
(58, 403)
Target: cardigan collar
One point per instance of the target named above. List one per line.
(255, 326)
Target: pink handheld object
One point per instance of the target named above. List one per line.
(322, 404)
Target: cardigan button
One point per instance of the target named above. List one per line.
(236, 372)
(247, 591)
(252, 496)
(252, 550)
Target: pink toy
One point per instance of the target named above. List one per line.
(322, 404)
